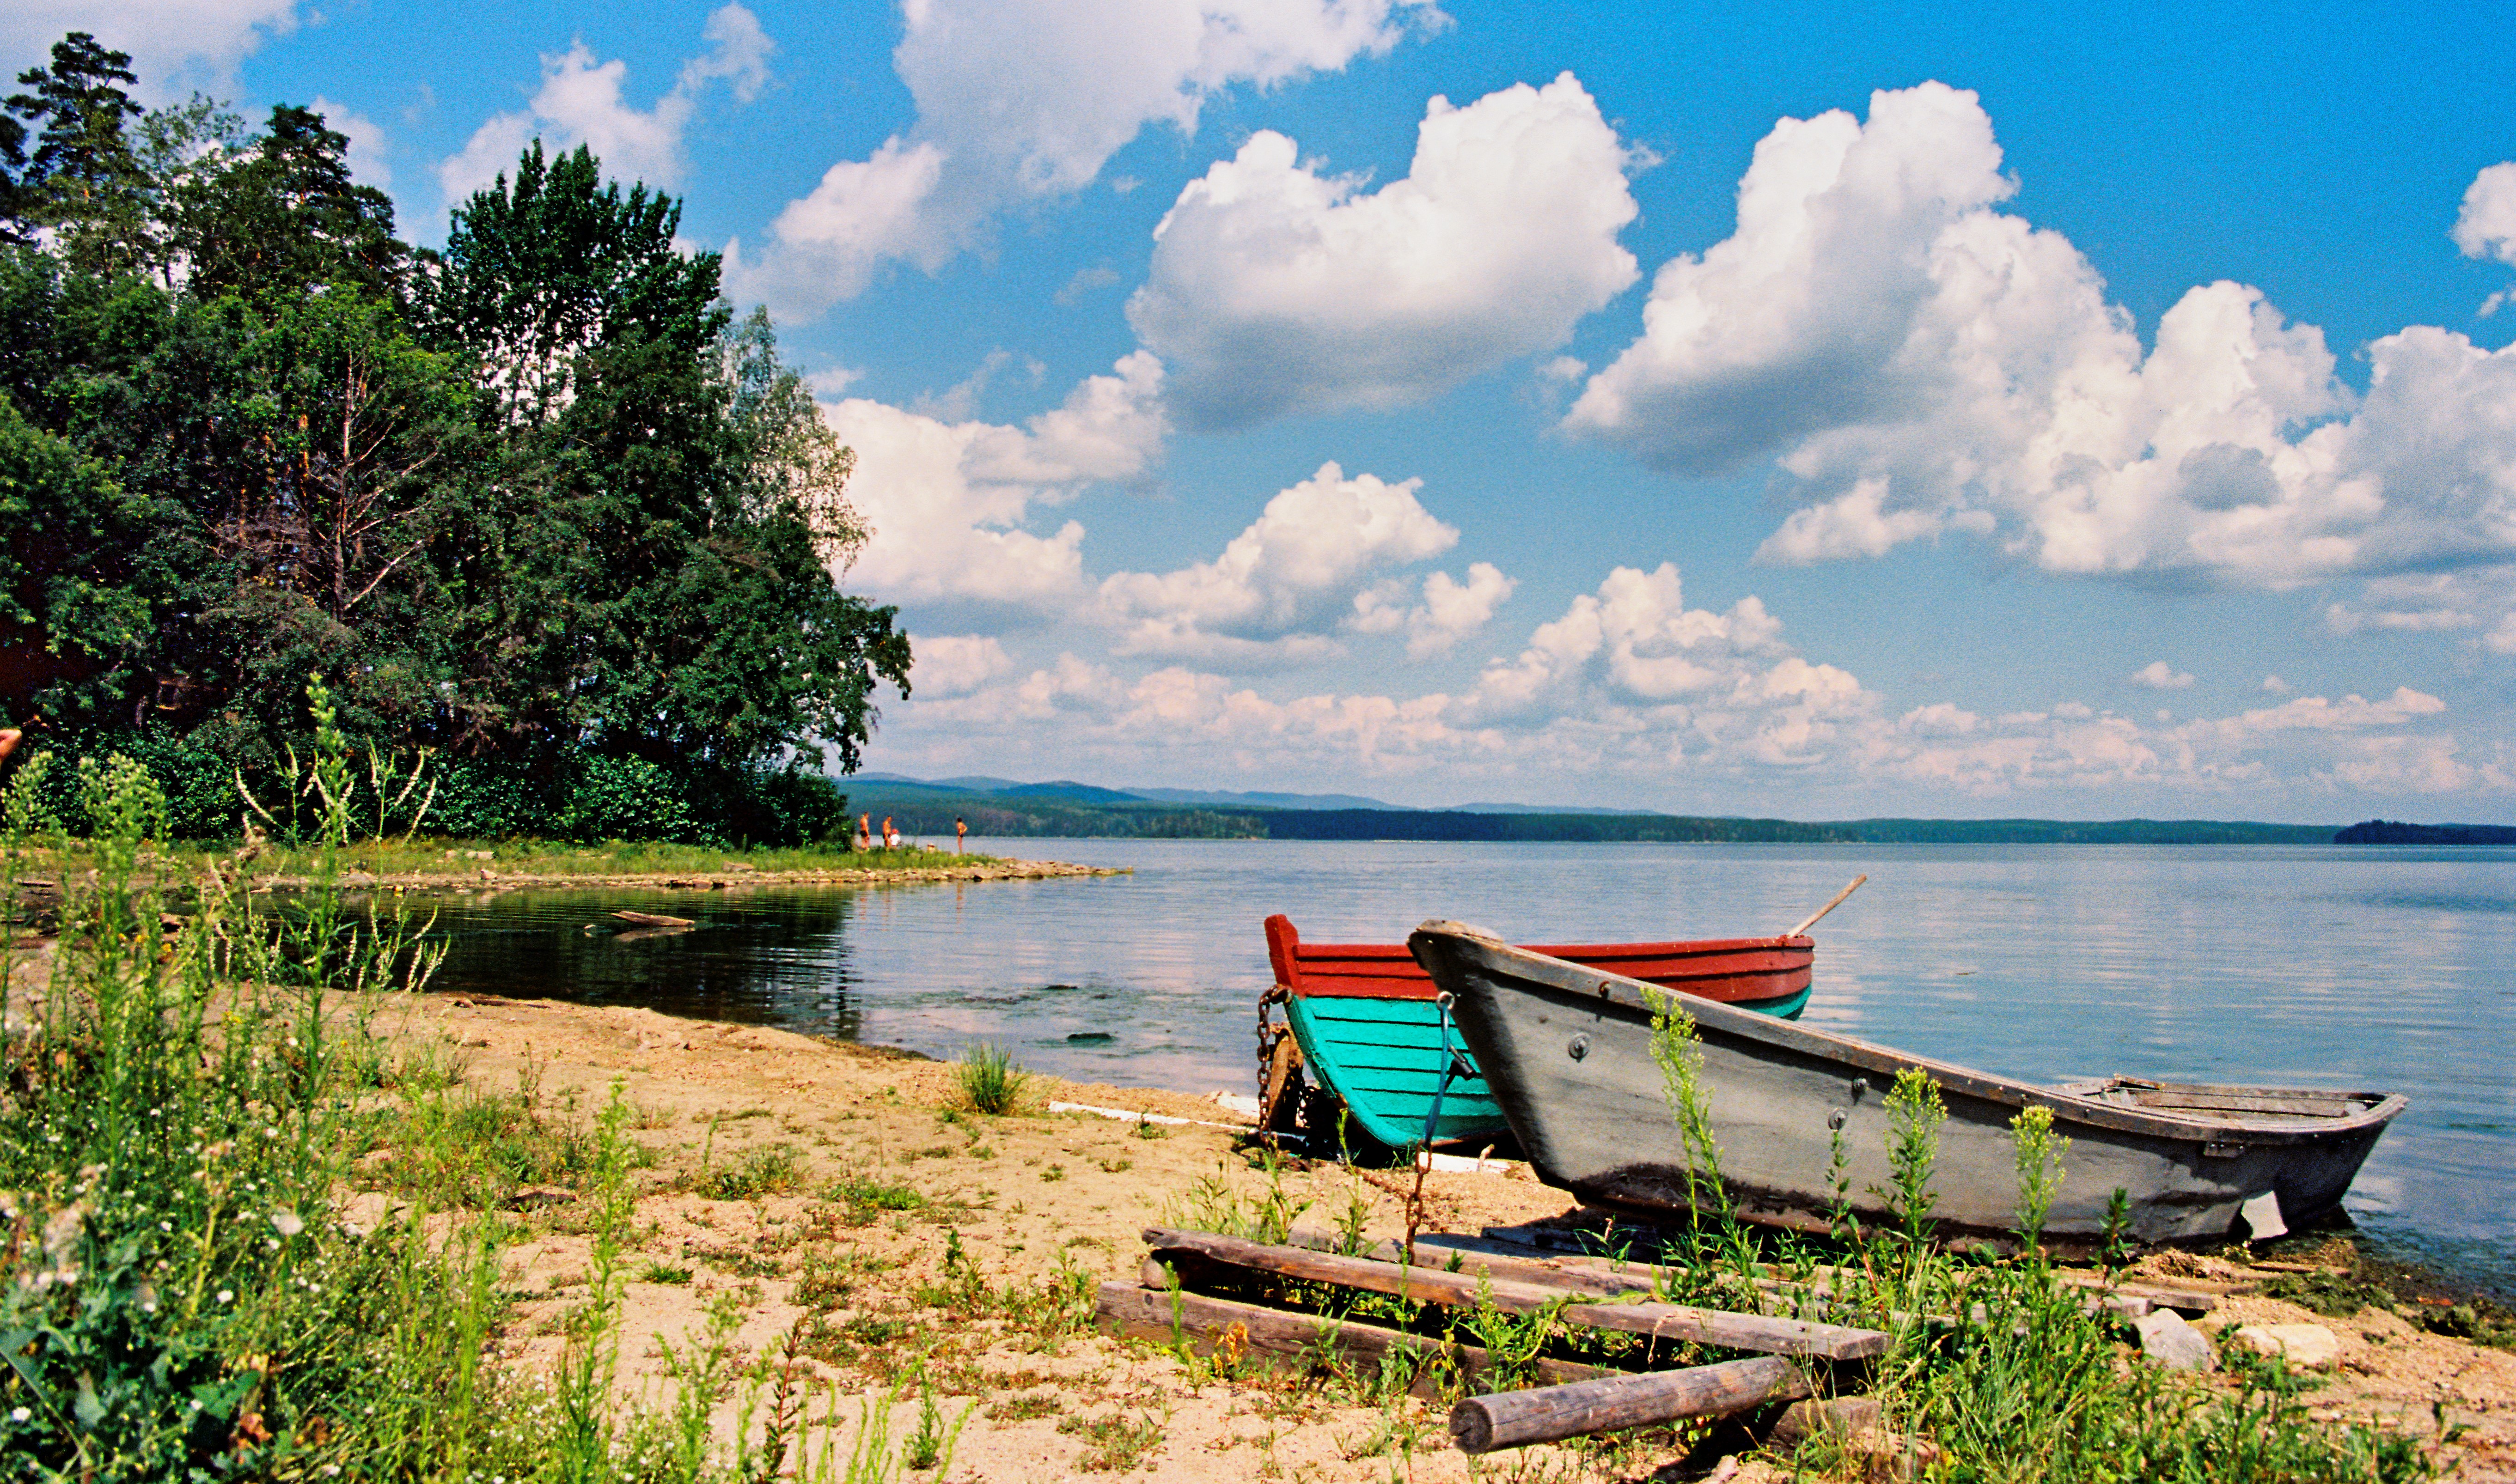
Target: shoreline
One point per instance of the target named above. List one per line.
(725, 877)
(43, 875)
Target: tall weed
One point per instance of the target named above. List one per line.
(2019, 1377)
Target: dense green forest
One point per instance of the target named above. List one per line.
(539, 504)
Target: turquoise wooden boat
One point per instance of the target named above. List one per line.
(1366, 1035)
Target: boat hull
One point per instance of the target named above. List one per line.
(1365, 1017)
(1568, 1057)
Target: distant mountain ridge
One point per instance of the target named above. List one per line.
(1004, 808)
(1086, 793)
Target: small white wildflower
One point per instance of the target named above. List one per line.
(19, 1414)
(226, 1296)
(289, 1222)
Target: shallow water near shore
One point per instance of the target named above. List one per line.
(2362, 968)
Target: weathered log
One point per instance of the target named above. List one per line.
(652, 919)
(1187, 1250)
(1559, 1246)
(1514, 1418)
(1440, 1254)
(1287, 1340)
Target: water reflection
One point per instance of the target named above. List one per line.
(2383, 968)
(776, 958)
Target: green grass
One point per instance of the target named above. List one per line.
(990, 1080)
(867, 1197)
(772, 1170)
(2029, 1383)
(1116, 1443)
(461, 861)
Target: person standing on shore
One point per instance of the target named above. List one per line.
(889, 834)
(864, 831)
(960, 834)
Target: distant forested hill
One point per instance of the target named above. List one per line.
(1075, 810)
(2387, 832)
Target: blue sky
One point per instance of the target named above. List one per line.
(1814, 411)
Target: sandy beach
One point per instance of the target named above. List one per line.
(1028, 1193)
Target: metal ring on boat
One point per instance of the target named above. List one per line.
(1580, 1048)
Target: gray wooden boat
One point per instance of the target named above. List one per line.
(1568, 1053)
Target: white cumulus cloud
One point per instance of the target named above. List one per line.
(956, 664)
(1302, 571)
(1453, 609)
(174, 45)
(1275, 289)
(1919, 361)
(584, 100)
(1634, 644)
(1024, 100)
(949, 501)
(2158, 674)
(2485, 226)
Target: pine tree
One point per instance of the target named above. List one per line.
(83, 179)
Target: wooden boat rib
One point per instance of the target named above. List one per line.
(1568, 1056)
(1365, 1019)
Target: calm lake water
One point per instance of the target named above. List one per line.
(2390, 968)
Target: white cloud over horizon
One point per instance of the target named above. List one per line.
(583, 100)
(1276, 290)
(1630, 687)
(1023, 101)
(1300, 572)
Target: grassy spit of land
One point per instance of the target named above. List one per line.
(269, 1217)
(436, 863)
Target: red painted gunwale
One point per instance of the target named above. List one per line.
(1732, 971)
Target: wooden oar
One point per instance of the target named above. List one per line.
(1828, 907)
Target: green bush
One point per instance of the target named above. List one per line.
(486, 798)
(626, 798)
(991, 1081)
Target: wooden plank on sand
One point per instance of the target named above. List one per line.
(1188, 1250)
(1515, 1419)
(1286, 1340)
(1554, 1246)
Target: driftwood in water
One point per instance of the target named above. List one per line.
(1513, 1419)
(652, 919)
(1189, 1251)
(1286, 1341)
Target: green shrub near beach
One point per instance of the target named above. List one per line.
(585, 798)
